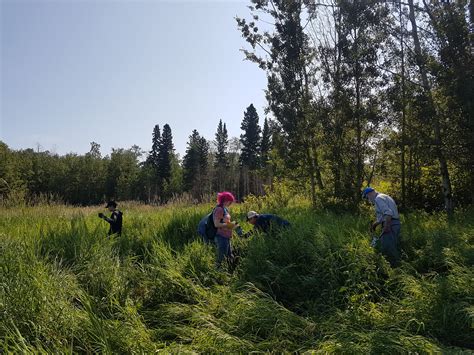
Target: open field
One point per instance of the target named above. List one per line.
(319, 286)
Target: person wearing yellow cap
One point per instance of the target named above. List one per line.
(386, 215)
(265, 222)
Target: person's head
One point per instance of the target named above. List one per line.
(111, 206)
(369, 193)
(225, 198)
(252, 217)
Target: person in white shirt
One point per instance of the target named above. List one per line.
(387, 215)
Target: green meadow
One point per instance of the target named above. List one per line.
(65, 287)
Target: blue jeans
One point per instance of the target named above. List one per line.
(390, 243)
(224, 249)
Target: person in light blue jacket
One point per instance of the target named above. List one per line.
(386, 215)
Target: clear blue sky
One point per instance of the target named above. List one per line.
(76, 71)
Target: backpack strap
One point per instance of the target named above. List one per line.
(214, 210)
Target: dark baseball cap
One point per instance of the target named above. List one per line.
(111, 204)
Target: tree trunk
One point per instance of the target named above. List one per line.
(371, 176)
(359, 151)
(403, 139)
(410, 177)
(438, 142)
(319, 179)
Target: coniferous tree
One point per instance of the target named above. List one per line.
(165, 152)
(250, 153)
(221, 163)
(167, 165)
(152, 158)
(266, 144)
(152, 176)
(203, 153)
(222, 142)
(250, 139)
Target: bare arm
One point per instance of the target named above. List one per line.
(219, 218)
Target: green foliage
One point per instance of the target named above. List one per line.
(317, 287)
(277, 195)
(222, 142)
(359, 93)
(266, 143)
(195, 165)
(221, 161)
(165, 157)
(250, 139)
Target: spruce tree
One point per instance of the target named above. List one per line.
(222, 141)
(152, 159)
(251, 139)
(202, 153)
(221, 163)
(266, 144)
(151, 165)
(165, 152)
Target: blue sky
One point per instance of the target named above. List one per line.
(75, 71)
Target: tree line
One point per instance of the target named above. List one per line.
(236, 164)
(359, 92)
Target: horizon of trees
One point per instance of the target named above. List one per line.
(155, 176)
(360, 92)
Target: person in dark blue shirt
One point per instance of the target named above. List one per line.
(115, 219)
(265, 222)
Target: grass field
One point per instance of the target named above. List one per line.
(317, 287)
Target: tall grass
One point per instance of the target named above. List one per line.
(316, 287)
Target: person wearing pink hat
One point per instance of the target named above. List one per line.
(225, 227)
